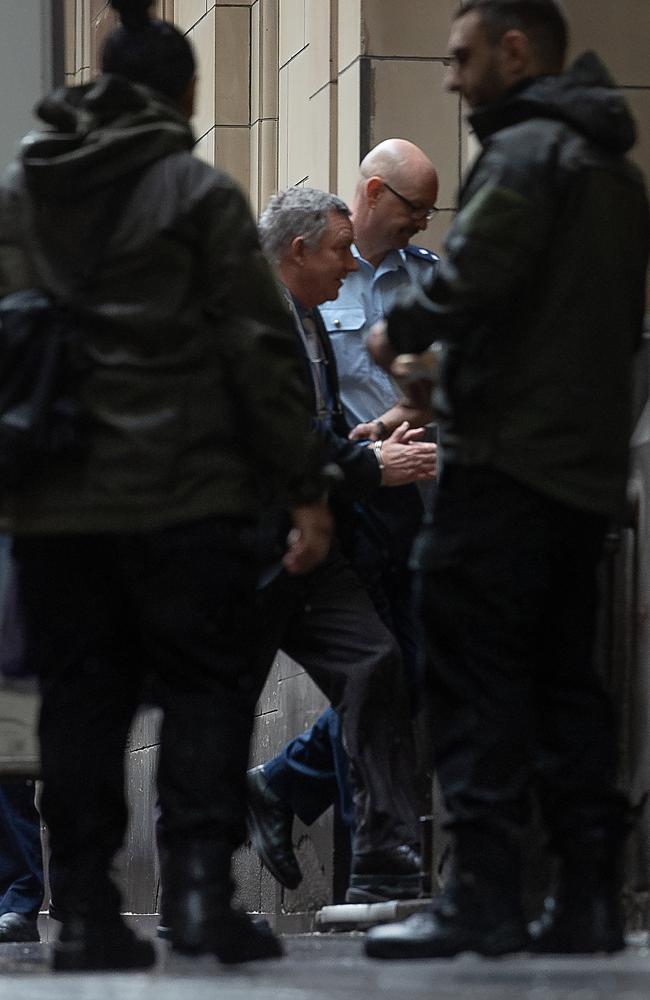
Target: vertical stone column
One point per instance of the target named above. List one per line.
(264, 102)
(220, 34)
(232, 76)
(307, 32)
(349, 76)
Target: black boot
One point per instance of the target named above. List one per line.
(89, 944)
(585, 915)
(390, 873)
(18, 927)
(198, 910)
(94, 936)
(479, 910)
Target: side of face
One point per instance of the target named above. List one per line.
(394, 222)
(325, 267)
(478, 69)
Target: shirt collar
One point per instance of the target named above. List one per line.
(393, 261)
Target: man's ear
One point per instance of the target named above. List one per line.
(374, 188)
(297, 250)
(517, 55)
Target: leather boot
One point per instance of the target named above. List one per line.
(479, 911)
(390, 873)
(270, 822)
(198, 910)
(89, 944)
(18, 927)
(94, 936)
(585, 915)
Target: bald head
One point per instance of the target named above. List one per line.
(399, 162)
(395, 194)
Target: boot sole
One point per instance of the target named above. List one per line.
(255, 952)
(380, 888)
(78, 960)
(26, 938)
(592, 948)
(503, 942)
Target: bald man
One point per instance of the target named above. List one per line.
(394, 199)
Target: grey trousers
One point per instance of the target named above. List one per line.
(327, 623)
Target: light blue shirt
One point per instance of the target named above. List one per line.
(366, 296)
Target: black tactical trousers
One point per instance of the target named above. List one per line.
(103, 613)
(509, 605)
(327, 623)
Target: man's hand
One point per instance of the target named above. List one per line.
(374, 430)
(379, 347)
(309, 540)
(417, 373)
(415, 408)
(406, 459)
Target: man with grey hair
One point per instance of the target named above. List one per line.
(326, 621)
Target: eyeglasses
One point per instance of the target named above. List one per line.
(413, 208)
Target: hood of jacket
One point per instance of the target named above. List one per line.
(96, 134)
(585, 97)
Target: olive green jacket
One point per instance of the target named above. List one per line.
(194, 398)
(539, 302)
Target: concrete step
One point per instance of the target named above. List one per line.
(358, 916)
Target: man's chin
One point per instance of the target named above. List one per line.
(404, 237)
(333, 292)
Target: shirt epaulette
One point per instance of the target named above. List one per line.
(421, 253)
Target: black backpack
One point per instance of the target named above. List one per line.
(39, 384)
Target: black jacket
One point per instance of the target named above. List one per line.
(361, 474)
(539, 303)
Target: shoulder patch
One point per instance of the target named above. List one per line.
(421, 253)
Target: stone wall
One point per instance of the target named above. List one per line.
(296, 91)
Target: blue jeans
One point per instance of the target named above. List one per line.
(21, 858)
(311, 771)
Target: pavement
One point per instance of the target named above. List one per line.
(332, 967)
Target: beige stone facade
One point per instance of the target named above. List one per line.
(296, 91)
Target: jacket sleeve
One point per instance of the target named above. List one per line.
(15, 269)
(360, 473)
(255, 338)
(492, 250)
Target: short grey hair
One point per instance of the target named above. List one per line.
(298, 211)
